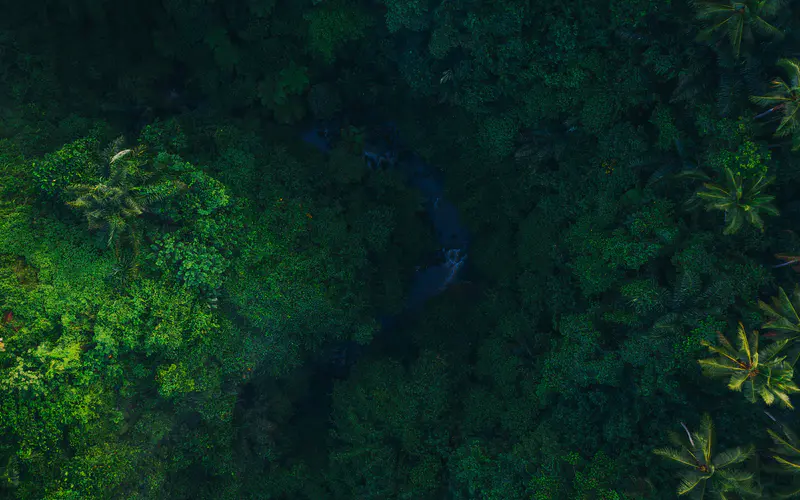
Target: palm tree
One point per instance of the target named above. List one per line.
(787, 454)
(116, 204)
(788, 449)
(739, 203)
(784, 99)
(782, 315)
(738, 19)
(703, 472)
(761, 374)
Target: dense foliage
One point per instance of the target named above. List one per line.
(197, 303)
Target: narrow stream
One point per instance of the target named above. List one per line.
(432, 279)
(452, 235)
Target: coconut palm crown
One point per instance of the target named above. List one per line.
(706, 474)
(760, 374)
(741, 201)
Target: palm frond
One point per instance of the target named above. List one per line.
(767, 100)
(764, 28)
(690, 480)
(769, 8)
(679, 456)
(771, 352)
(783, 313)
(755, 220)
(733, 456)
(787, 443)
(706, 431)
(746, 342)
(737, 379)
(708, 9)
(792, 68)
(784, 397)
(788, 465)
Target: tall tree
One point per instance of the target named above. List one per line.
(738, 20)
(761, 374)
(782, 316)
(741, 203)
(787, 454)
(784, 99)
(116, 204)
(706, 474)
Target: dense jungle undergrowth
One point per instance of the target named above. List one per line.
(194, 301)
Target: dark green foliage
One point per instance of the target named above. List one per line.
(385, 417)
(251, 336)
(331, 25)
(590, 478)
(739, 20)
(579, 362)
(631, 245)
(787, 455)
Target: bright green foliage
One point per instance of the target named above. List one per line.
(198, 255)
(193, 263)
(741, 201)
(750, 160)
(115, 204)
(692, 345)
(56, 283)
(167, 136)
(785, 100)
(204, 196)
(705, 473)
(149, 339)
(763, 374)
(75, 163)
(100, 469)
(739, 19)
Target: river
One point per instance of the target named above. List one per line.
(386, 150)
